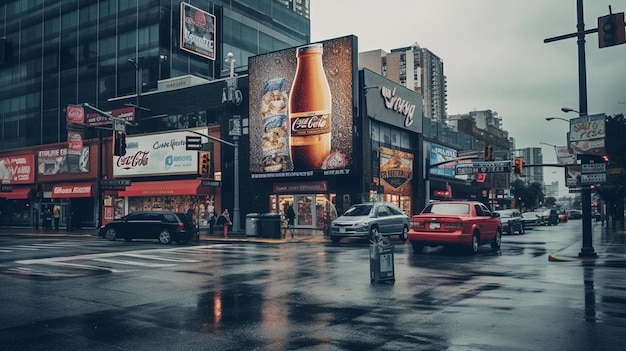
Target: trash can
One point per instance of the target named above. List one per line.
(381, 260)
(252, 224)
(270, 225)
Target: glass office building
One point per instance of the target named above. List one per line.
(56, 53)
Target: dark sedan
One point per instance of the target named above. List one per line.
(161, 225)
(511, 221)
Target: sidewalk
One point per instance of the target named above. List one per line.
(303, 236)
(609, 245)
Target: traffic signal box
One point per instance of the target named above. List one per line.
(205, 164)
(611, 30)
(119, 143)
(518, 165)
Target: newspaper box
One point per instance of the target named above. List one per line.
(381, 260)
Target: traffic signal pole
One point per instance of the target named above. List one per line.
(587, 247)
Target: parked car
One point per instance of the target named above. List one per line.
(532, 219)
(162, 225)
(575, 214)
(464, 223)
(511, 221)
(371, 218)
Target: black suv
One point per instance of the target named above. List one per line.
(162, 225)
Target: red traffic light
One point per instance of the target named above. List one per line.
(518, 165)
(205, 164)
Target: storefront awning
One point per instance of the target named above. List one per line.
(72, 190)
(17, 194)
(166, 188)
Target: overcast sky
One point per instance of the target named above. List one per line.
(494, 56)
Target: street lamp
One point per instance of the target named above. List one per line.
(567, 109)
(559, 118)
(236, 216)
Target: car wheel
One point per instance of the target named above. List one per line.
(417, 247)
(475, 243)
(165, 237)
(405, 233)
(110, 234)
(497, 241)
(335, 239)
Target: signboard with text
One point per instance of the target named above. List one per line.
(586, 136)
(483, 167)
(17, 169)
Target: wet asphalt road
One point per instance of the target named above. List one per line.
(91, 294)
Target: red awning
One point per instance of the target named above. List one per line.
(165, 188)
(72, 190)
(17, 194)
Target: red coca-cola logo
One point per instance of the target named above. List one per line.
(139, 159)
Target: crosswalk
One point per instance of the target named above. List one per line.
(109, 262)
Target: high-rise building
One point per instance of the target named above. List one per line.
(416, 68)
(532, 156)
(56, 53)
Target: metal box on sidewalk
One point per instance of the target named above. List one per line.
(270, 225)
(381, 260)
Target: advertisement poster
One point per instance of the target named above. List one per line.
(439, 154)
(60, 161)
(573, 176)
(96, 119)
(586, 135)
(563, 157)
(17, 169)
(197, 32)
(301, 119)
(396, 170)
(156, 154)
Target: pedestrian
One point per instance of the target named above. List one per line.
(46, 217)
(212, 219)
(224, 221)
(290, 214)
(56, 214)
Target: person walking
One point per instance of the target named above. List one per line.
(290, 214)
(46, 217)
(212, 219)
(224, 221)
(56, 214)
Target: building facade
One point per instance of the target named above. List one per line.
(156, 64)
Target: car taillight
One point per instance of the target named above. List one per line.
(454, 225)
(181, 226)
(417, 224)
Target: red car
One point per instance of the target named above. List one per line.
(464, 223)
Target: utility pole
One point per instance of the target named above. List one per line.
(587, 248)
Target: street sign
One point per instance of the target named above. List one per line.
(193, 142)
(483, 167)
(593, 178)
(212, 183)
(234, 126)
(593, 168)
(119, 125)
(115, 182)
(614, 171)
(113, 187)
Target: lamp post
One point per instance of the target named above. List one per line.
(553, 118)
(236, 216)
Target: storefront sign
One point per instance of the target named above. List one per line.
(68, 191)
(157, 154)
(587, 134)
(75, 114)
(398, 104)
(96, 119)
(396, 167)
(74, 142)
(309, 187)
(17, 169)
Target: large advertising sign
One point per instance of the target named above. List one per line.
(396, 170)
(157, 154)
(96, 119)
(197, 32)
(61, 161)
(586, 135)
(440, 154)
(301, 103)
(17, 169)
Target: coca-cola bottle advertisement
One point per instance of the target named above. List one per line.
(301, 107)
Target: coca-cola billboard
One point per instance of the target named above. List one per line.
(157, 154)
(301, 110)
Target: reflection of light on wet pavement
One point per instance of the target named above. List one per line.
(217, 308)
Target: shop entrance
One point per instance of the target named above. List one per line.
(312, 210)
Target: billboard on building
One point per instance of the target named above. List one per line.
(294, 132)
(60, 161)
(157, 154)
(586, 135)
(17, 169)
(440, 154)
(197, 31)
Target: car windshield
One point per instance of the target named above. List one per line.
(505, 213)
(360, 210)
(447, 209)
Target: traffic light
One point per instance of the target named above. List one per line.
(518, 166)
(205, 164)
(489, 153)
(611, 30)
(119, 143)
